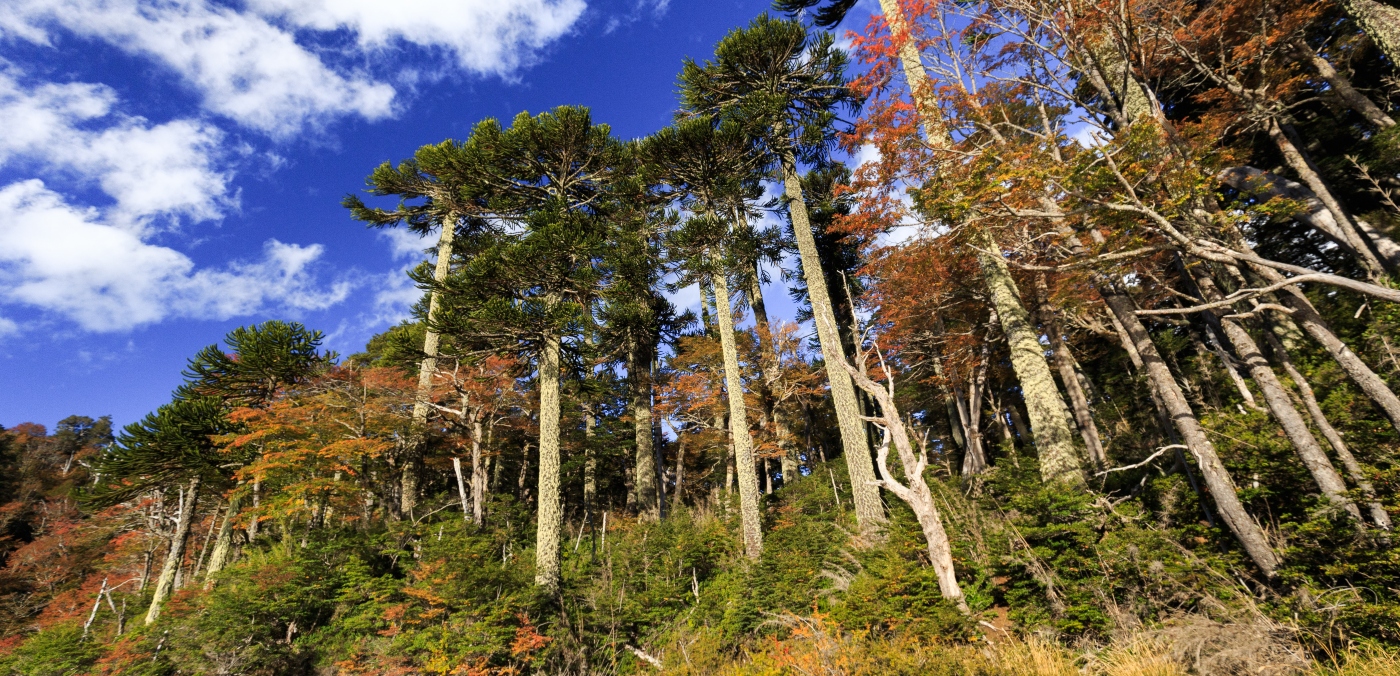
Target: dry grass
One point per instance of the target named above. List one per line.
(1190, 645)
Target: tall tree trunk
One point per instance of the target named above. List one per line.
(590, 462)
(223, 545)
(1381, 23)
(413, 455)
(869, 510)
(920, 88)
(750, 518)
(1334, 438)
(478, 477)
(639, 377)
(1054, 443)
(173, 560)
(1079, 403)
(549, 510)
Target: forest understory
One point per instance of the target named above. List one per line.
(1094, 371)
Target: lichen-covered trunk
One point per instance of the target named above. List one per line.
(1050, 418)
(749, 516)
(590, 461)
(1217, 478)
(549, 511)
(1381, 23)
(1064, 363)
(176, 556)
(869, 510)
(223, 545)
(639, 378)
(478, 477)
(413, 451)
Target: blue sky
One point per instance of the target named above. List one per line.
(170, 170)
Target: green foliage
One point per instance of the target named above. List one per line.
(59, 650)
(264, 358)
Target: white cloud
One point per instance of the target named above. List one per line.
(244, 67)
(405, 243)
(486, 36)
(149, 170)
(64, 260)
(249, 65)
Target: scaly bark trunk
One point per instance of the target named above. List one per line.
(590, 462)
(549, 511)
(768, 358)
(639, 377)
(1079, 403)
(1334, 438)
(750, 518)
(173, 560)
(1381, 23)
(223, 545)
(869, 511)
(1050, 426)
(413, 452)
(1276, 398)
(920, 88)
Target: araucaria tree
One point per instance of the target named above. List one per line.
(786, 87)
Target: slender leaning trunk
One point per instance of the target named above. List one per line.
(1050, 419)
(223, 545)
(1217, 478)
(1064, 362)
(1334, 438)
(166, 583)
(1341, 84)
(751, 520)
(1312, 323)
(478, 477)
(549, 511)
(1301, 165)
(413, 452)
(870, 511)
